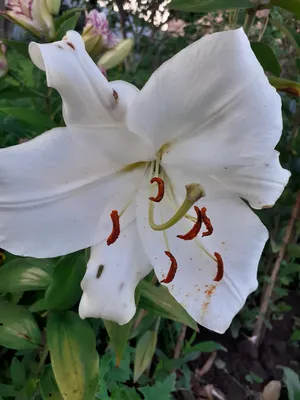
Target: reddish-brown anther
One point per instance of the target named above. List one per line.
(172, 270)
(195, 229)
(161, 189)
(116, 228)
(207, 223)
(220, 266)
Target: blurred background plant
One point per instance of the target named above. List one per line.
(46, 351)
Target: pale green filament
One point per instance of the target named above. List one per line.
(194, 192)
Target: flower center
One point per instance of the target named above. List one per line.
(160, 186)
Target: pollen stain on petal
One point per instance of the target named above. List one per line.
(115, 233)
(99, 271)
(116, 96)
(195, 229)
(71, 45)
(161, 189)
(207, 223)
(173, 268)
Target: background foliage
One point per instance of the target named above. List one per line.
(46, 350)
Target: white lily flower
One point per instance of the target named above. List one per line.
(207, 118)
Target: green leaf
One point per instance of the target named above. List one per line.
(160, 390)
(7, 391)
(65, 290)
(293, 250)
(290, 269)
(157, 300)
(22, 274)
(209, 5)
(118, 335)
(32, 117)
(292, 382)
(67, 25)
(290, 33)
(15, 92)
(285, 85)
(66, 15)
(17, 373)
(20, 47)
(124, 393)
(74, 358)
(266, 57)
(206, 347)
(48, 385)
(144, 353)
(289, 5)
(295, 335)
(18, 329)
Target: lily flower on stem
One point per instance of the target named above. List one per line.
(152, 178)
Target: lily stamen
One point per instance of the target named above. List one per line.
(220, 266)
(115, 233)
(207, 223)
(161, 189)
(195, 229)
(173, 268)
(194, 192)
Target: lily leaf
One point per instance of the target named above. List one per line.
(289, 5)
(144, 353)
(285, 85)
(74, 358)
(67, 25)
(266, 57)
(48, 385)
(18, 328)
(209, 5)
(29, 116)
(158, 301)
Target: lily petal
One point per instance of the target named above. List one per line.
(238, 236)
(112, 275)
(88, 98)
(54, 190)
(213, 82)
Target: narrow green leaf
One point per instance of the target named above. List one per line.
(48, 385)
(65, 290)
(74, 358)
(18, 329)
(292, 382)
(285, 85)
(20, 47)
(31, 117)
(266, 57)
(118, 335)
(209, 5)
(157, 300)
(144, 353)
(290, 33)
(206, 347)
(289, 5)
(13, 92)
(67, 25)
(66, 15)
(21, 274)
(17, 373)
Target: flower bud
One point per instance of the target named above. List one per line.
(32, 15)
(96, 34)
(3, 60)
(115, 56)
(53, 6)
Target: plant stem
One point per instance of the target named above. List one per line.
(250, 16)
(180, 341)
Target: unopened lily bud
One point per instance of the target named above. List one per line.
(115, 56)
(32, 15)
(96, 34)
(272, 391)
(3, 60)
(53, 6)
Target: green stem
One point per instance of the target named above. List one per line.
(287, 33)
(250, 17)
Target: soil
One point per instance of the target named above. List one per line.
(227, 376)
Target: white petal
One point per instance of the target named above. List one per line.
(206, 86)
(88, 98)
(54, 193)
(111, 296)
(238, 236)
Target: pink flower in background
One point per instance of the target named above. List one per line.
(97, 24)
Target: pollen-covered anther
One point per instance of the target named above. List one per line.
(173, 268)
(115, 233)
(161, 189)
(207, 223)
(220, 266)
(195, 229)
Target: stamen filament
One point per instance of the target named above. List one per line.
(173, 268)
(194, 192)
